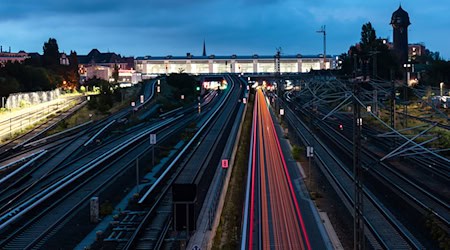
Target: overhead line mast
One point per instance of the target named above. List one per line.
(323, 31)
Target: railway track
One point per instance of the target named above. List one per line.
(417, 194)
(419, 180)
(85, 187)
(160, 193)
(63, 147)
(83, 176)
(13, 198)
(53, 117)
(383, 229)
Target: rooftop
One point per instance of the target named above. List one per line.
(243, 57)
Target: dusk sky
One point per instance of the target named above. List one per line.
(242, 27)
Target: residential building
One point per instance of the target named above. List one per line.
(102, 65)
(12, 56)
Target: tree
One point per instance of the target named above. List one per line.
(33, 60)
(371, 56)
(184, 84)
(105, 100)
(346, 64)
(436, 71)
(73, 60)
(8, 85)
(115, 73)
(51, 53)
(368, 38)
(73, 75)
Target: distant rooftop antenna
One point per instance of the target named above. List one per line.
(277, 61)
(204, 48)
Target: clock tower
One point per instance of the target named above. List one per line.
(400, 23)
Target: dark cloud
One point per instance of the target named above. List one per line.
(157, 27)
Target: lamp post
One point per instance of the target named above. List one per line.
(407, 67)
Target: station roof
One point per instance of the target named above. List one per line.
(232, 57)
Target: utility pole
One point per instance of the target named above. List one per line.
(137, 174)
(358, 225)
(392, 113)
(323, 31)
(278, 78)
(374, 62)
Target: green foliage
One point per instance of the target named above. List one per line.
(371, 50)
(16, 77)
(297, 152)
(444, 139)
(8, 85)
(34, 60)
(62, 125)
(73, 60)
(368, 38)
(51, 53)
(115, 73)
(371, 53)
(103, 85)
(437, 232)
(436, 72)
(34, 75)
(183, 84)
(23, 103)
(107, 95)
(228, 233)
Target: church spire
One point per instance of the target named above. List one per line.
(204, 48)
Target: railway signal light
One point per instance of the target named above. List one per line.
(224, 163)
(341, 127)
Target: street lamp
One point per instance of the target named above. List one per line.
(407, 67)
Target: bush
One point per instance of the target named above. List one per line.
(297, 152)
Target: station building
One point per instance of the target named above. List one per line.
(212, 64)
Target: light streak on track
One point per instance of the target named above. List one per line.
(273, 200)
